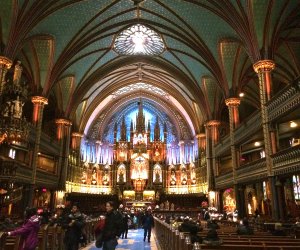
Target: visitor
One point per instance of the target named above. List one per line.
(192, 228)
(148, 223)
(212, 224)
(73, 225)
(212, 238)
(113, 227)
(125, 221)
(244, 228)
(29, 230)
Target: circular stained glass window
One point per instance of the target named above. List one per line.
(139, 40)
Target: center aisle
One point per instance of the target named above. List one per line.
(134, 241)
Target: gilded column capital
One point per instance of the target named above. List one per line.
(5, 61)
(63, 121)
(212, 123)
(39, 100)
(180, 143)
(264, 66)
(201, 135)
(234, 101)
(76, 134)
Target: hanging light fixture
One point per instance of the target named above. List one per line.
(13, 126)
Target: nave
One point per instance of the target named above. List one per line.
(134, 241)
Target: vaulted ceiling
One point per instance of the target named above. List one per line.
(66, 49)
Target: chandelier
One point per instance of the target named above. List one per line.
(13, 126)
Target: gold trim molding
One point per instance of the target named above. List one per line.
(39, 100)
(5, 61)
(76, 134)
(264, 66)
(63, 122)
(201, 135)
(212, 123)
(234, 101)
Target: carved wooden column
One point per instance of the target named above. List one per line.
(233, 105)
(5, 65)
(39, 103)
(63, 136)
(212, 136)
(263, 69)
(75, 145)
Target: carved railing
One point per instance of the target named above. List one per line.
(248, 128)
(286, 100)
(223, 146)
(11, 196)
(252, 171)
(244, 131)
(8, 169)
(224, 180)
(287, 161)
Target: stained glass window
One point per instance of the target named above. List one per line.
(139, 40)
(296, 186)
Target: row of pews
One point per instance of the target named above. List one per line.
(170, 238)
(50, 237)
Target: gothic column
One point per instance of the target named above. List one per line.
(63, 136)
(5, 65)
(263, 69)
(181, 151)
(38, 108)
(75, 145)
(212, 136)
(233, 105)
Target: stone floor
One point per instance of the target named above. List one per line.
(134, 241)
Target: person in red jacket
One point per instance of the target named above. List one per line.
(29, 230)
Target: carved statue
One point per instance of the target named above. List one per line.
(161, 206)
(18, 108)
(8, 109)
(172, 207)
(121, 175)
(167, 205)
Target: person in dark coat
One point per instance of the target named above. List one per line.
(244, 228)
(192, 228)
(29, 230)
(148, 223)
(113, 227)
(73, 225)
(125, 220)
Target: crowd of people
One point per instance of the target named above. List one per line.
(116, 222)
(111, 226)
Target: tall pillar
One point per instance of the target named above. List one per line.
(75, 145)
(63, 136)
(212, 136)
(233, 105)
(263, 69)
(38, 109)
(5, 65)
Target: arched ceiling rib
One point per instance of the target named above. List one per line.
(215, 40)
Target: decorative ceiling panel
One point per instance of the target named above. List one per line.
(203, 23)
(80, 111)
(65, 23)
(5, 18)
(228, 54)
(44, 51)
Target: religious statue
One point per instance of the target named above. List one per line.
(183, 177)
(105, 179)
(172, 207)
(94, 177)
(161, 206)
(18, 108)
(8, 109)
(167, 205)
(173, 177)
(84, 177)
(121, 175)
